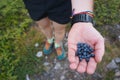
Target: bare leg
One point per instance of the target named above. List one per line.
(45, 26)
(59, 30)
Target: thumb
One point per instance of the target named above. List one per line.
(99, 50)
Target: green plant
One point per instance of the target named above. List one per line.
(17, 51)
(107, 12)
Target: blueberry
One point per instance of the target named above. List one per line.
(80, 59)
(87, 59)
(80, 56)
(92, 55)
(88, 56)
(84, 51)
(79, 49)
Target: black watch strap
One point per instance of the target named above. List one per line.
(81, 18)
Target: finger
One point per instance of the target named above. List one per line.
(91, 66)
(71, 53)
(99, 50)
(82, 66)
(73, 66)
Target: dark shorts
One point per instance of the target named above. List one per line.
(56, 10)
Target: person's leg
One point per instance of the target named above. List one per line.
(59, 31)
(59, 13)
(45, 27)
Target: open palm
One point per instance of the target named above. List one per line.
(85, 33)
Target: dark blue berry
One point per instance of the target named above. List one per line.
(80, 59)
(88, 56)
(92, 55)
(87, 59)
(84, 51)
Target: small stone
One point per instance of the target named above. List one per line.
(55, 60)
(53, 79)
(61, 68)
(117, 60)
(45, 74)
(27, 77)
(46, 57)
(116, 70)
(117, 74)
(39, 54)
(75, 76)
(36, 45)
(119, 36)
(52, 75)
(47, 68)
(46, 63)
(116, 78)
(97, 76)
(117, 26)
(112, 65)
(62, 77)
(57, 66)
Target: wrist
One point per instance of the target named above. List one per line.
(83, 17)
(80, 26)
(90, 13)
(83, 24)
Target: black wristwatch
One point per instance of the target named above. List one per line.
(81, 18)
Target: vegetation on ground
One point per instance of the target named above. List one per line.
(17, 38)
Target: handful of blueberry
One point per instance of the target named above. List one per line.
(84, 51)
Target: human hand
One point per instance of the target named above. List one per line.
(85, 33)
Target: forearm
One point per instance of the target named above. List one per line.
(82, 5)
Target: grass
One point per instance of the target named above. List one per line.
(111, 52)
(17, 51)
(29, 63)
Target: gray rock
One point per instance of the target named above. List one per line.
(46, 57)
(57, 66)
(27, 77)
(112, 65)
(46, 63)
(75, 76)
(117, 60)
(62, 77)
(53, 79)
(97, 76)
(117, 74)
(116, 78)
(117, 26)
(119, 37)
(116, 70)
(45, 74)
(47, 66)
(115, 30)
(55, 61)
(52, 75)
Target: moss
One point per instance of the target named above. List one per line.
(107, 12)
